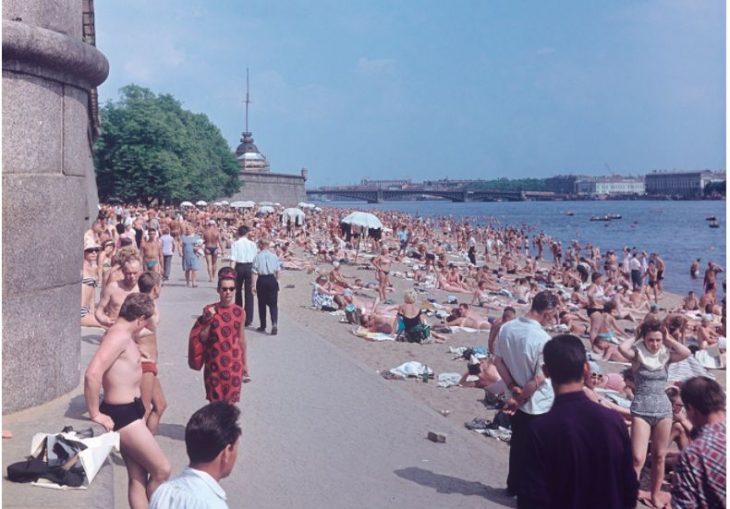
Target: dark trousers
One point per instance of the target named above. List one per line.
(244, 287)
(636, 279)
(520, 422)
(167, 266)
(267, 290)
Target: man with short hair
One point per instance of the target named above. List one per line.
(116, 366)
(578, 454)
(114, 294)
(212, 239)
(152, 251)
(700, 477)
(266, 268)
(168, 248)
(243, 251)
(211, 439)
(518, 359)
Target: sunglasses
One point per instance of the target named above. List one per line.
(94, 250)
(228, 289)
(596, 375)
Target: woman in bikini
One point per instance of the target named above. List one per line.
(89, 283)
(651, 409)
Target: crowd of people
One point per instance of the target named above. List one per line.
(520, 285)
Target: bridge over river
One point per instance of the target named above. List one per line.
(376, 195)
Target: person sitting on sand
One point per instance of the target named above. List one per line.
(594, 379)
(482, 374)
(690, 302)
(444, 285)
(415, 327)
(481, 295)
(324, 296)
(605, 333)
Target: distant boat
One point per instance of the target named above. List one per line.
(614, 216)
(714, 223)
(710, 218)
(600, 218)
(569, 213)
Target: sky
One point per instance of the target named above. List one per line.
(460, 89)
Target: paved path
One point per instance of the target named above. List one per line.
(319, 428)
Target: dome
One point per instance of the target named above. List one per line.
(248, 150)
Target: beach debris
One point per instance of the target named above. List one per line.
(445, 412)
(438, 438)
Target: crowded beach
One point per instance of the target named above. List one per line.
(426, 303)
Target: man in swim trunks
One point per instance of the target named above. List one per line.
(212, 239)
(382, 266)
(152, 252)
(150, 283)
(116, 367)
(114, 293)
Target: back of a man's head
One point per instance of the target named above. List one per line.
(137, 305)
(703, 394)
(565, 358)
(148, 281)
(242, 230)
(544, 300)
(210, 430)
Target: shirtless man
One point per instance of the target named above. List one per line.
(116, 366)
(114, 293)
(706, 334)
(508, 314)
(468, 318)
(660, 268)
(382, 266)
(150, 283)
(212, 239)
(690, 302)
(652, 274)
(710, 281)
(152, 252)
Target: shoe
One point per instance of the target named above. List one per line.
(261, 329)
(274, 331)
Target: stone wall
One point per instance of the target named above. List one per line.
(48, 196)
(274, 187)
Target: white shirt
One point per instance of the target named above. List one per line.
(520, 345)
(167, 244)
(243, 250)
(192, 489)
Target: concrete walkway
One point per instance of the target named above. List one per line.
(320, 429)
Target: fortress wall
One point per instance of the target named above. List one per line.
(274, 187)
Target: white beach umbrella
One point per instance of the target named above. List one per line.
(318, 209)
(187, 204)
(364, 219)
(305, 205)
(293, 214)
(243, 204)
(266, 209)
(201, 203)
(224, 202)
(217, 203)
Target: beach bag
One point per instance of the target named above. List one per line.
(64, 460)
(418, 334)
(195, 345)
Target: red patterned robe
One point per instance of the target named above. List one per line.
(223, 356)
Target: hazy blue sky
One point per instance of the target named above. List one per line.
(433, 89)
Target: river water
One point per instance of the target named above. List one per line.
(677, 230)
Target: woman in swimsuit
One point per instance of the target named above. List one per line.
(105, 258)
(89, 282)
(414, 322)
(651, 410)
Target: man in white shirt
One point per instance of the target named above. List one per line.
(243, 251)
(211, 439)
(518, 359)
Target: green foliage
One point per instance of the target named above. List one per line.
(151, 148)
(504, 184)
(715, 188)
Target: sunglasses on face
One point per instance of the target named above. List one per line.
(228, 289)
(95, 250)
(596, 375)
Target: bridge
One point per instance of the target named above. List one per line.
(380, 195)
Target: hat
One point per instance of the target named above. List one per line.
(595, 368)
(91, 244)
(226, 273)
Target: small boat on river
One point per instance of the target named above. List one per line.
(710, 218)
(714, 224)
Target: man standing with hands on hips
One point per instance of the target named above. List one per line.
(266, 267)
(243, 252)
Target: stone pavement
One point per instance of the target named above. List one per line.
(319, 429)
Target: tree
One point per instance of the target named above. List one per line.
(151, 148)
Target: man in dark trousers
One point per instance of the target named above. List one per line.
(578, 455)
(266, 267)
(243, 252)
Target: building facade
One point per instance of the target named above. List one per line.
(610, 186)
(684, 184)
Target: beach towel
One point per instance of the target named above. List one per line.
(457, 328)
(448, 379)
(362, 332)
(411, 368)
(708, 360)
(689, 367)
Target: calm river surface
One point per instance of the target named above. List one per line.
(677, 230)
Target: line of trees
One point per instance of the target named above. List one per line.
(150, 149)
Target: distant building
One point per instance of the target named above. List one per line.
(563, 184)
(686, 184)
(610, 186)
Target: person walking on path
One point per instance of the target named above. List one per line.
(243, 251)
(190, 259)
(117, 367)
(701, 479)
(651, 410)
(266, 268)
(168, 248)
(518, 359)
(211, 440)
(220, 330)
(579, 452)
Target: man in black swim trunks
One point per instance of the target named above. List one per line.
(116, 366)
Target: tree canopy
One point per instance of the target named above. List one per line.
(151, 148)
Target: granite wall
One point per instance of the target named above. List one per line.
(48, 196)
(274, 187)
